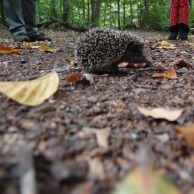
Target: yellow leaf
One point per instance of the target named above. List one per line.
(140, 182)
(188, 133)
(161, 113)
(31, 93)
(166, 44)
(59, 40)
(47, 49)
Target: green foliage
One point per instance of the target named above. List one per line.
(130, 15)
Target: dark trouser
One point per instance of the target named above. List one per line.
(21, 15)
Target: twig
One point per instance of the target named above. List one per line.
(27, 172)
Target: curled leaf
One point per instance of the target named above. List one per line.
(170, 74)
(31, 93)
(180, 63)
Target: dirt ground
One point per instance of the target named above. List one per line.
(67, 156)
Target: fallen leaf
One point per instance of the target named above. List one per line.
(44, 48)
(166, 44)
(140, 182)
(161, 113)
(96, 169)
(180, 63)
(27, 45)
(102, 136)
(170, 74)
(31, 93)
(59, 41)
(188, 133)
(9, 50)
(73, 77)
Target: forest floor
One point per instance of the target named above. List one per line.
(66, 133)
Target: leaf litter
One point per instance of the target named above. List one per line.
(64, 154)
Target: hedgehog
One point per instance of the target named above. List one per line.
(100, 50)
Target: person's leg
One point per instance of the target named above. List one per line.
(174, 19)
(14, 17)
(184, 18)
(29, 13)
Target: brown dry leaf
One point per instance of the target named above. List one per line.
(188, 133)
(180, 63)
(161, 113)
(31, 93)
(102, 136)
(27, 45)
(140, 181)
(44, 48)
(9, 50)
(166, 44)
(169, 74)
(73, 77)
(96, 169)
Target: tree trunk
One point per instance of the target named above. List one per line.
(66, 6)
(146, 14)
(54, 9)
(124, 14)
(2, 11)
(95, 6)
(118, 14)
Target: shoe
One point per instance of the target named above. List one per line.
(21, 37)
(184, 30)
(174, 30)
(173, 36)
(39, 37)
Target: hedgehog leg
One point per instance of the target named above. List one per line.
(110, 68)
(106, 68)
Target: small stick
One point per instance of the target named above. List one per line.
(27, 172)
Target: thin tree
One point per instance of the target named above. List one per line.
(95, 7)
